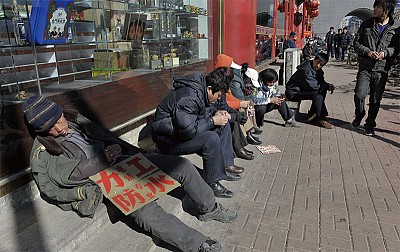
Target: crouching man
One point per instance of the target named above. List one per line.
(68, 148)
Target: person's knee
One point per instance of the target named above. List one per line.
(213, 140)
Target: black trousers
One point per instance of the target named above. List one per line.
(261, 110)
(238, 139)
(165, 226)
(375, 82)
(215, 148)
(330, 50)
(317, 97)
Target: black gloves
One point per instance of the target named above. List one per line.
(241, 117)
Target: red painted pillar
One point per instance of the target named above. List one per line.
(239, 30)
(275, 18)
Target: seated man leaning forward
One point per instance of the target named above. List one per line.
(69, 148)
(308, 83)
(186, 123)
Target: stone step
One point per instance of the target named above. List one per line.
(39, 226)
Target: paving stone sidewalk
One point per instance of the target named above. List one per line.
(328, 190)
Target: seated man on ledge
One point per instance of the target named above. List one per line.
(69, 148)
(186, 123)
(308, 83)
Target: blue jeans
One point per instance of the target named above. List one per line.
(215, 148)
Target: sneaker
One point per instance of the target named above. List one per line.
(189, 206)
(220, 214)
(369, 131)
(293, 123)
(324, 124)
(357, 120)
(210, 245)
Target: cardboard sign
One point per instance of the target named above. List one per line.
(268, 149)
(133, 183)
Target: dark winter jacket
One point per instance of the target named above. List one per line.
(306, 79)
(289, 43)
(309, 52)
(329, 38)
(54, 160)
(237, 86)
(342, 40)
(367, 39)
(184, 112)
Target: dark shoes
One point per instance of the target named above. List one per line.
(242, 153)
(369, 131)
(220, 191)
(248, 151)
(234, 169)
(357, 120)
(220, 214)
(252, 139)
(322, 123)
(210, 245)
(232, 176)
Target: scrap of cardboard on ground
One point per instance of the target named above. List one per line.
(268, 149)
(133, 183)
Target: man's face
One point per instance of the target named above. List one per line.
(213, 97)
(317, 64)
(270, 83)
(60, 128)
(379, 12)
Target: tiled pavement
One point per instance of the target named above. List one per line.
(328, 190)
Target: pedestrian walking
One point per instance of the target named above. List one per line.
(377, 43)
(330, 43)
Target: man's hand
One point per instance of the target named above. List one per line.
(373, 55)
(112, 152)
(220, 120)
(244, 104)
(380, 56)
(331, 87)
(224, 113)
(276, 100)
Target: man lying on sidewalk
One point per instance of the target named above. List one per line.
(69, 148)
(308, 83)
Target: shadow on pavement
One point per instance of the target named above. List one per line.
(347, 125)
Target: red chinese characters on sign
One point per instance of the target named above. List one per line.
(133, 183)
(143, 192)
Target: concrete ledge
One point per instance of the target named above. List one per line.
(39, 226)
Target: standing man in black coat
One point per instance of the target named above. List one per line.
(330, 43)
(186, 123)
(336, 43)
(377, 44)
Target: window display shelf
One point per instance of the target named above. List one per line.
(152, 37)
(25, 66)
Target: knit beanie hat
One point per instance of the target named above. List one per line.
(41, 113)
(223, 60)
